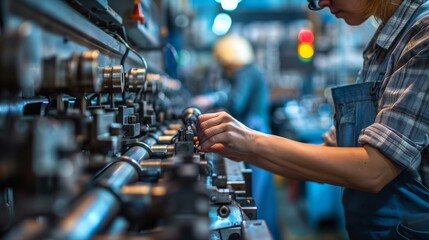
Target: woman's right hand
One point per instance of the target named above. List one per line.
(221, 133)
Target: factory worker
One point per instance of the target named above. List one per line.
(380, 154)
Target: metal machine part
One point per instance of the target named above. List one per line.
(87, 73)
(135, 79)
(255, 229)
(21, 60)
(77, 74)
(113, 79)
(99, 11)
(7, 208)
(95, 146)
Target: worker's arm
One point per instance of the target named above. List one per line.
(363, 168)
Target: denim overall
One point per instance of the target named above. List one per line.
(377, 215)
(401, 209)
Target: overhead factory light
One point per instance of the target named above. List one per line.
(228, 5)
(221, 24)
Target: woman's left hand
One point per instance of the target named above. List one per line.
(221, 133)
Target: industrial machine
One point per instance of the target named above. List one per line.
(96, 141)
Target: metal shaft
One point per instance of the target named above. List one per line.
(101, 205)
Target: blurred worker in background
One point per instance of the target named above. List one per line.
(247, 95)
(381, 151)
(247, 98)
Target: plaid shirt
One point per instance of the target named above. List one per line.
(398, 55)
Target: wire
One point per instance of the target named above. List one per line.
(134, 51)
(126, 55)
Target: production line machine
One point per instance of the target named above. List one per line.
(95, 143)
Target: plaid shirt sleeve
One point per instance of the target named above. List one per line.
(401, 127)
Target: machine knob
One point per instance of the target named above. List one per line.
(190, 115)
(81, 72)
(21, 60)
(135, 79)
(113, 79)
(88, 71)
(153, 83)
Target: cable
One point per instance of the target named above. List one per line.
(134, 51)
(126, 55)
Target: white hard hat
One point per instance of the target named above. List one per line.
(233, 50)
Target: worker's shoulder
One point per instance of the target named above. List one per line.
(253, 69)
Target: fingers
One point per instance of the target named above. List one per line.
(205, 116)
(210, 116)
(213, 135)
(222, 150)
(217, 148)
(211, 124)
(220, 133)
(202, 125)
(212, 128)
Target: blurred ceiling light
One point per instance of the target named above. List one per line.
(221, 24)
(228, 5)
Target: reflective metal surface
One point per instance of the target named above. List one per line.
(93, 143)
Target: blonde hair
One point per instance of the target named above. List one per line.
(382, 10)
(233, 50)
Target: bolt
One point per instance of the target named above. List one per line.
(223, 211)
(132, 119)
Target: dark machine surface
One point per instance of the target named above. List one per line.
(94, 143)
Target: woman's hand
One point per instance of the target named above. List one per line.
(221, 133)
